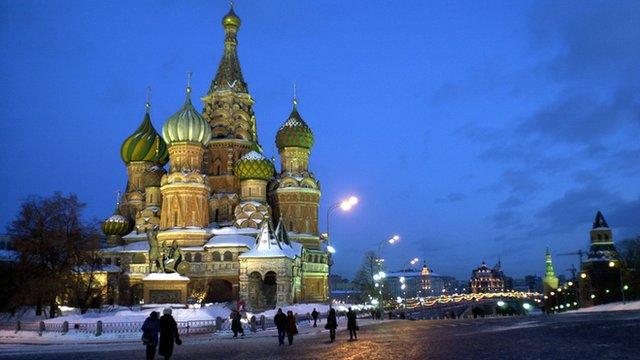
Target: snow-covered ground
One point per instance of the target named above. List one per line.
(618, 306)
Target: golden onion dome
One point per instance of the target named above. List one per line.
(187, 125)
(254, 166)
(294, 132)
(231, 19)
(145, 144)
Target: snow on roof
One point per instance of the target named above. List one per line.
(232, 230)
(138, 246)
(231, 240)
(165, 277)
(101, 268)
(253, 155)
(268, 246)
(8, 255)
(135, 236)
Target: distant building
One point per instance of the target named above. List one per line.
(484, 279)
(409, 283)
(534, 283)
(343, 290)
(600, 279)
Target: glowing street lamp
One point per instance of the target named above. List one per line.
(583, 276)
(612, 264)
(345, 205)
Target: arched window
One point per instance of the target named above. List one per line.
(197, 258)
(187, 257)
(215, 256)
(138, 258)
(228, 256)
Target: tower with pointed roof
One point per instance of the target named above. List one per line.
(550, 282)
(228, 108)
(600, 279)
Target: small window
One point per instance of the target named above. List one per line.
(215, 256)
(187, 257)
(228, 256)
(197, 258)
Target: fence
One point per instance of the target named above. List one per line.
(184, 327)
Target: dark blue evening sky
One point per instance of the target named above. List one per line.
(475, 130)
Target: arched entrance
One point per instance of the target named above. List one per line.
(269, 289)
(254, 300)
(219, 291)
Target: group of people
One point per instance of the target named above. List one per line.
(286, 325)
(352, 324)
(166, 329)
(162, 333)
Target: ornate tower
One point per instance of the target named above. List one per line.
(228, 108)
(601, 279)
(185, 190)
(140, 152)
(550, 281)
(295, 193)
(253, 170)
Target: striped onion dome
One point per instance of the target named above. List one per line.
(145, 144)
(116, 224)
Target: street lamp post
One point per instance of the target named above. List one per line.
(381, 275)
(344, 205)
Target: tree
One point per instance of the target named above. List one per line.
(629, 251)
(52, 242)
(364, 277)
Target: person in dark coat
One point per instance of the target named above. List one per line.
(168, 334)
(150, 331)
(314, 315)
(236, 325)
(352, 325)
(292, 329)
(332, 324)
(281, 323)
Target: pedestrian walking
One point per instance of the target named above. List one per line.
(332, 324)
(150, 331)
(314, 315)
(236, 325)
(292, 328)
(168, 334)
(352, 325)
(281, 324)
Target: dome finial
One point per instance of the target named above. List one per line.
(295, 96)
(117, 199)
(147, 104)
(189, 74)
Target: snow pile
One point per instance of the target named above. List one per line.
(618, 306)
(123, 314)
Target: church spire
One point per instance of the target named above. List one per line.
(548, 273)
(599, 221)
(229, 76)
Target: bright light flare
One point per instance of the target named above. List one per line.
(331, 249)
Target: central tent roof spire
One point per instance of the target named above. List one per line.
(229, 76)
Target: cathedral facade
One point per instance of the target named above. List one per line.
(241, 229)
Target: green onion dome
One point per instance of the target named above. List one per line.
(294, 132)
(116, 224)
(231, 19)
(144, 144)
(254, 166)
(187, 125)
